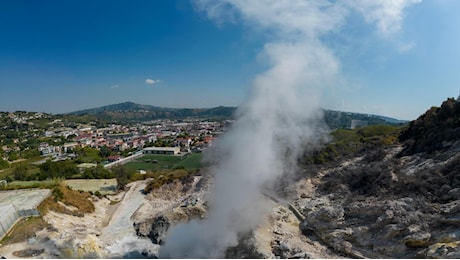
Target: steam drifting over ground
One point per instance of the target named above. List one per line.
(280, 119)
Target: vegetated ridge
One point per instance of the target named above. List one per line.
(129, 111)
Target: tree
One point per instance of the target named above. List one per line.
(88, 155)
(13, 156)
(20, 172)
(3, 163)
(31, 153)
(122, 177)
(65, 169)
(105, 152)
(98, 172)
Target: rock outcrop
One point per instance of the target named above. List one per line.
(170, 204)
(392, 208)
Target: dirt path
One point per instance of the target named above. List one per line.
(119, 238)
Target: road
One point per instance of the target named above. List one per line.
(119, 236)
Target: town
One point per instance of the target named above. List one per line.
(29, 139)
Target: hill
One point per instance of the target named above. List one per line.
(129, 112)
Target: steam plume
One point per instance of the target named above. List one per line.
(279, 120)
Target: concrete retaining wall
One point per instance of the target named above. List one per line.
(8, 216)
(18, 204)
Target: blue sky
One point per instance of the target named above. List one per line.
(62, 56)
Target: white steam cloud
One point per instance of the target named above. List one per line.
(280, 119)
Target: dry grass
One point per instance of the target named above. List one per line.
(104, 186)
(67, 196)
(25, 229)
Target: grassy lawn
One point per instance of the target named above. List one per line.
(160, 162)
(193, 161)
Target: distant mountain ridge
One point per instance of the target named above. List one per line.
(130, 111)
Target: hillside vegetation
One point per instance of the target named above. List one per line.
(132, 112)
(129, 111)
(436, 130)
(347, 143)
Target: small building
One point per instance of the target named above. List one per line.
(161, 150)
(114, 158)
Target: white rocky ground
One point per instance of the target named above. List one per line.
(107, 232)
(124, 229)
(376, 206)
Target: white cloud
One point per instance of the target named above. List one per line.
(405, 47)
(152, 81)
(286, 18)
(387, 15)
(114, 86)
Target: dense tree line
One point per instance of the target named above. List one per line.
(60, 169)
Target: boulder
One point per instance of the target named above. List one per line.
(159, 228)
(326, 218)
(420, 239)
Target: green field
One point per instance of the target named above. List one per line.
(160, 162)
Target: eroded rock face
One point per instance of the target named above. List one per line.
(396, 207)
(155, 229)
(170, 204)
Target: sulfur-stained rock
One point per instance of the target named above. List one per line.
(420, 239)
(444, 250)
